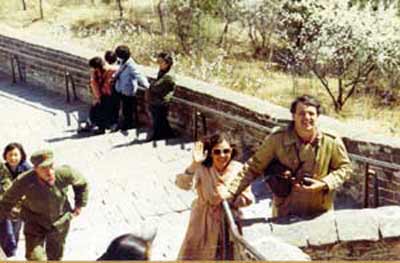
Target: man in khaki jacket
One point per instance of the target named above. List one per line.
(301, 146)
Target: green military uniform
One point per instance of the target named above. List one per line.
(45, 210)
(326, 158)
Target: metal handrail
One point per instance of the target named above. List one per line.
(203, 108)
(235, 235)
(379, 163)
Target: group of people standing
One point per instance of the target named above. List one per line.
(115, 81)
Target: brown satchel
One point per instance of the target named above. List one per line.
(280, 178)
(279, 184)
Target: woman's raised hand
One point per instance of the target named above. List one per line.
(199, 155)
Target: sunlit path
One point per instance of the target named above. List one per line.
(131, 185)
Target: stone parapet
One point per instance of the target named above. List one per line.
(357, 234)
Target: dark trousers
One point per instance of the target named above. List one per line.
(129, 109)
(161, 127)
(43, 244)
(105, 113)
(9, 235)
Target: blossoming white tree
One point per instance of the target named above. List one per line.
(335, 40)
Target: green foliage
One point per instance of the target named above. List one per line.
(193, 26)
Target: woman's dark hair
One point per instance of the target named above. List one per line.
(123, 52)
(166, 57)
(127, 247)
(110, 57)
(12, 146)
(210, 142)
(96, 63)
(307, 100)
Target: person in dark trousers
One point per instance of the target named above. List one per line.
(158, 98)
(111, 58)
(127, 81)
(15, 163)
(102, 112)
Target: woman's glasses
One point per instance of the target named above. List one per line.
(220, 151)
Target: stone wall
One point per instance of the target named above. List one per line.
(359, 250)
(45, 65)
(354, 234)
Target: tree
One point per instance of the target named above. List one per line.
(335, 40)
(41, 9)
(23, 5)
(229, 11)
(162, 8)
(191, 17)
(120, 8)
(260, 19)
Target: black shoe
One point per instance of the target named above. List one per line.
(98, 131)
(84, 127)
(114, 127)
(126, 127)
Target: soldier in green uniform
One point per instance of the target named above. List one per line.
(301, 146)
(45, 209)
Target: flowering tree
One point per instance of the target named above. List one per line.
(260, 18)
(335, 40)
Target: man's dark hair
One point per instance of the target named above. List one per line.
(127, 247)
(96, 63)
(110, 57)
(12, 146)
(306, 100)
(123, 52)
(166, 57)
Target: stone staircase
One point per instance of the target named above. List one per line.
(131, 183)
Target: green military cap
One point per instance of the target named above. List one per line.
(42, 158)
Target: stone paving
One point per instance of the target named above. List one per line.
(131, 183)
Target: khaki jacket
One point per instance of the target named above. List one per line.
(326, 159)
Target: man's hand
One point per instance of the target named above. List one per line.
(77, 211)
(310, 185)
(95, 101)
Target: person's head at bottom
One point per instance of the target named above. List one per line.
(127, 247)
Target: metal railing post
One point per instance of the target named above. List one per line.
(66, 74)
(196, 116)
(366, 186)
(376, 189)
(13, 69)
(21, 77)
